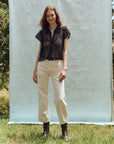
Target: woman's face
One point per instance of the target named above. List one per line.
(51, 17)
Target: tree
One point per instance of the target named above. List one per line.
(4, 1)
(4, 45)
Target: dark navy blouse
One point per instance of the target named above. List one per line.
(52, 47)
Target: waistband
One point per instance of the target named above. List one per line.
(50, 59)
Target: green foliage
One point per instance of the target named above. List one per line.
(4, 1)
(4, 45)
(4, 106)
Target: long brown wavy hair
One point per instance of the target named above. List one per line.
(43, 22)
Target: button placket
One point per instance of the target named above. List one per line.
(51, 37)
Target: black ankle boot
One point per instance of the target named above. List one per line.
(64, 132)
(46, 130)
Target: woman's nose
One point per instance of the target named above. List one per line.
(50, 17)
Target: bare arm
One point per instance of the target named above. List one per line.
(38, 56)
(36, 64)
(65, 54)
(63, 72)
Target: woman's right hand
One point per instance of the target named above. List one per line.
(35, 76)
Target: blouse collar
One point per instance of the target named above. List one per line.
(56, 29)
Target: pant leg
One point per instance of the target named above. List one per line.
(59, 93)
(43, 78)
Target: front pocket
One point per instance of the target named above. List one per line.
(59, 64)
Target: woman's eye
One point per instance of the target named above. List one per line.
(50, 15)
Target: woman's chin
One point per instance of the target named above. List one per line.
(51, 22)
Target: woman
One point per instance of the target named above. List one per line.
(53, 39)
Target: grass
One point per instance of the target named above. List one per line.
(78, 133)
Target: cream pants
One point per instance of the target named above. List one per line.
(45, 69)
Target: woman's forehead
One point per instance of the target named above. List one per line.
(50, 12)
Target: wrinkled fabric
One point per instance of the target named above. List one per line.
(52, 47)
(45, 70)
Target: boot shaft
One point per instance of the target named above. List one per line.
(64, 128)
(46, 127)
(64, 132)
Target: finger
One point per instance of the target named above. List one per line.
(61, 78)
(35, 79)
(60, 75)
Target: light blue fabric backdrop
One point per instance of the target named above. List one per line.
(88, 84)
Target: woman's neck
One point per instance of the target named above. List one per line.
(52, 26)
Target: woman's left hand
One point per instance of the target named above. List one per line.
(62, 75)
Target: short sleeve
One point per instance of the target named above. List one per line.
(39, 35)
(66, 32)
